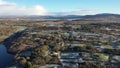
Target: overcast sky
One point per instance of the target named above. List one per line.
(58, 7)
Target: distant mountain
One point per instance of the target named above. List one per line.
(104, 17)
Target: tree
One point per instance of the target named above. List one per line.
(45, 48)
(23, 61)
(57, 48)
(76, 48)
(101, 57)
(48, 58)
(86, 27)
(90, 49)
(28, 65)
(39, 61)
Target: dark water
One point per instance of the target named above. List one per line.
(55, 19)
(5, 58)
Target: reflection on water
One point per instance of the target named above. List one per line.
(5, 58)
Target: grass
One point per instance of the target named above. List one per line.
(14, 29)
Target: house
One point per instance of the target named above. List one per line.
(69, 59)
(116, 47)
(51, 66)
(115, 59)
(70, 65)
(53, 53)
(69, 55)
(75, 43)
(61, 43)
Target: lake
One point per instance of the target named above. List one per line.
(55, 19)
(5, 58)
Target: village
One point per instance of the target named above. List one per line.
(67, 45)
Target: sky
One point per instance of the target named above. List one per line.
(58, 7)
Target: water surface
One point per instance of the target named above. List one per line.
(5, 58)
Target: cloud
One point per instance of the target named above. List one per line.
(11, 8)
(7, 8)
(4, 3)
